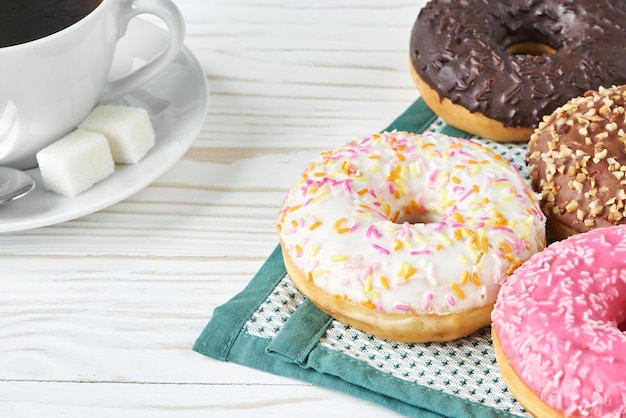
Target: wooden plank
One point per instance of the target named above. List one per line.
(98, 315)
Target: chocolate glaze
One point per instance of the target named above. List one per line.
(577, 160)
(458, 47)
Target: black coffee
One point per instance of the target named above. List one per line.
(26, 20)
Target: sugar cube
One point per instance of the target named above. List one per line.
(128, 130)
(75, 162)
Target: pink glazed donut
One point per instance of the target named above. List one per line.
(557, 327)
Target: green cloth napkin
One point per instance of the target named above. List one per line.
(270, 326)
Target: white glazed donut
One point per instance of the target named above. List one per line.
(407, 236)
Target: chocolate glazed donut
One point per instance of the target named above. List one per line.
(511, 62)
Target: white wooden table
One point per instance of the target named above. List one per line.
(98, 315)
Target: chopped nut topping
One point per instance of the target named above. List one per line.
(571, 206)
(604, 110)
(614, 217)
(595, 207)
(573, 150)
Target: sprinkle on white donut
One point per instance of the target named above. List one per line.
(406, 223)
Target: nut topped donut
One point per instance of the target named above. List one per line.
(577, 160)
(494, 68)
(407, 236)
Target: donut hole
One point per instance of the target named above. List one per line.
(415, 213)
(416, 218)
(530, 48)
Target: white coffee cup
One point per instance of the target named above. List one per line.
(49, 85)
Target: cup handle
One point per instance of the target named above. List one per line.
(167, 11)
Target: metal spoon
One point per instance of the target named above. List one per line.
(14, 184)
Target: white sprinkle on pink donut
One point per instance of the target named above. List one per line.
(557, 319)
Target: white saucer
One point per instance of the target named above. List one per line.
(177, 101)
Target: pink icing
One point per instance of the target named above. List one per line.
(558, 320)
